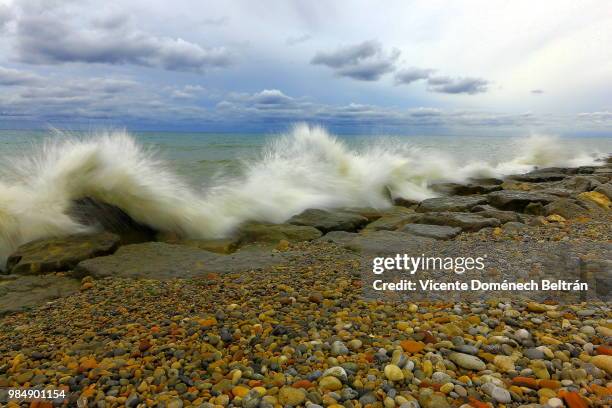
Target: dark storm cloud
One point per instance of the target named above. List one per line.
(366, 61)
(412, 74)
(45, 39)
(449, 85)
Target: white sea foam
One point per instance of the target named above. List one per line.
(307, 168)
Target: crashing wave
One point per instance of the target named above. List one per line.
(306, 168)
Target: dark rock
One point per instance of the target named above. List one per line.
(157, 260)
(109, 218)
(60, 254)
(441, 232)
(488, 211)
(585, 170)
(464, 189)
(534, 209)
(538, 177)
(405, 202)
(486, 180)
(24, 292)
(456, 203)
(565, 207)
(326, 221)
(465, 221)
(515, 200)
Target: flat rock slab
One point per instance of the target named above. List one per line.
(440, 232)
(514, 200)
(60, 254)
(19, 293)
(488, 211)
(157, 260)
(466, 221)
(326, 221)
(388, 242)
(456, 203)
(273, 233)
(539, 177)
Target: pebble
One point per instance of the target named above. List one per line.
(289, 396)
(330, 383)
(393, 373)
(467, 361)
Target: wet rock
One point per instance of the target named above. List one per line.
(538, 176)
(465, 189)
(456, 203)
(514, 200)
(326, 221)
(441, 232)
(109, 218)
(60, 254)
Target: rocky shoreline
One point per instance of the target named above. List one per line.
(275, 315)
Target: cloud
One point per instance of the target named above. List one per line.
(45, 39)
(6, 15)
(187, 91)
(274, 106)
(412, 74)
(298, 40)
(366, 61)
(217, 21)
(599, 118)
(13, 77)
(449, 85)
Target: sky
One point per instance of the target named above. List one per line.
(421, 67)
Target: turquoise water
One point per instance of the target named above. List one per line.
(204, 157)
